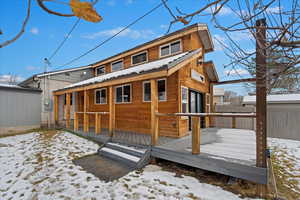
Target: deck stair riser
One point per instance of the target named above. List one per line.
(125, 149)
(132, 156)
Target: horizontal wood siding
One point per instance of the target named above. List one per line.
(136, 116)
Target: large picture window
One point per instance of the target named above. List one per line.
(123, 94)
(161, 90)
(100, 96)
(170, 49)
(184, 100)
(139, 58)
(117, 65)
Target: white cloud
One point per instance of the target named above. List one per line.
(32, 68)
(10, 78)
(235, 72)
(164, 26)
(34, 31)
(275, 9)
(218, 40)
(111, 3)
(224, 11)
(129, 1)
(131, 33)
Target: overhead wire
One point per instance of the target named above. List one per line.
(113, 36)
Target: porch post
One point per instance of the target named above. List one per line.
(85, 110)
(56, 110)
(111, 111)
(195, 135)
(211, 99)
(68, 106)
(97, 123)
(154, 110)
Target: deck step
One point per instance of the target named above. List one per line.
(127, 149)
(132, 156)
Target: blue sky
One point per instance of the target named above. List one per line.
(44, 33)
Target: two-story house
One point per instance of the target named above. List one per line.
(168, 74)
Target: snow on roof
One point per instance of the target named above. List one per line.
(9, 85)
(165, 62)
(275, 98)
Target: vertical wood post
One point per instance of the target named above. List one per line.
(97, 123)
(154, 110)
(68, 106)
(85, 110)
(56, 109)
(112, 117)
(195, 135)
(76, 122)
(261, 105)
(211, 91)
(233, 122)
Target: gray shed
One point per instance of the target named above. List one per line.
(20, 108)
(283, 120)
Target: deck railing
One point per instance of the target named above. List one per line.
(86, 122)
(196, 130)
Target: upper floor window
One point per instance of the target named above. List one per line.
(139, 58)
(123, 94)
(100, 96)
(118, 65)
(171, 48)
(100, 70)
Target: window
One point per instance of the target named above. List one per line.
(207, 103)
(100, 70)
(100, 96)
(171, 48)
(71, 99)
(117, 66)
(161, 86)
(161, 90)
(123, 94)
(146, 91)
(184, 100)
(139, 58)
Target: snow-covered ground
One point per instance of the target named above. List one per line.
(39, 166)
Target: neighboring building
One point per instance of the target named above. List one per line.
(50, 81)
(283, 114)
(173, 64)
(20, 108)
(219, 94)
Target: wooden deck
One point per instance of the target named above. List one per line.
(233, 153)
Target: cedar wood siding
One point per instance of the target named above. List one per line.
(135, 116)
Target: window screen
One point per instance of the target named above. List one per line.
(140, 58)
(117, 66)
(100, 70)
(161, 85)
(147, 91)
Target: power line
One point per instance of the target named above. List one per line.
(113, 36)
(64, 40)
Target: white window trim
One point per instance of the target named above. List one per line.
(121, 86)
(102, 66)
(144, 90)
(157, 89)
(100, 96)
(146, 51)
(166, 87)
(169, 45)
(111, 64)
(187, 98)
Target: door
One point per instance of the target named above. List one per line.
(196, 105)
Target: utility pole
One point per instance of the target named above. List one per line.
(261, 105)
(46, 92)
